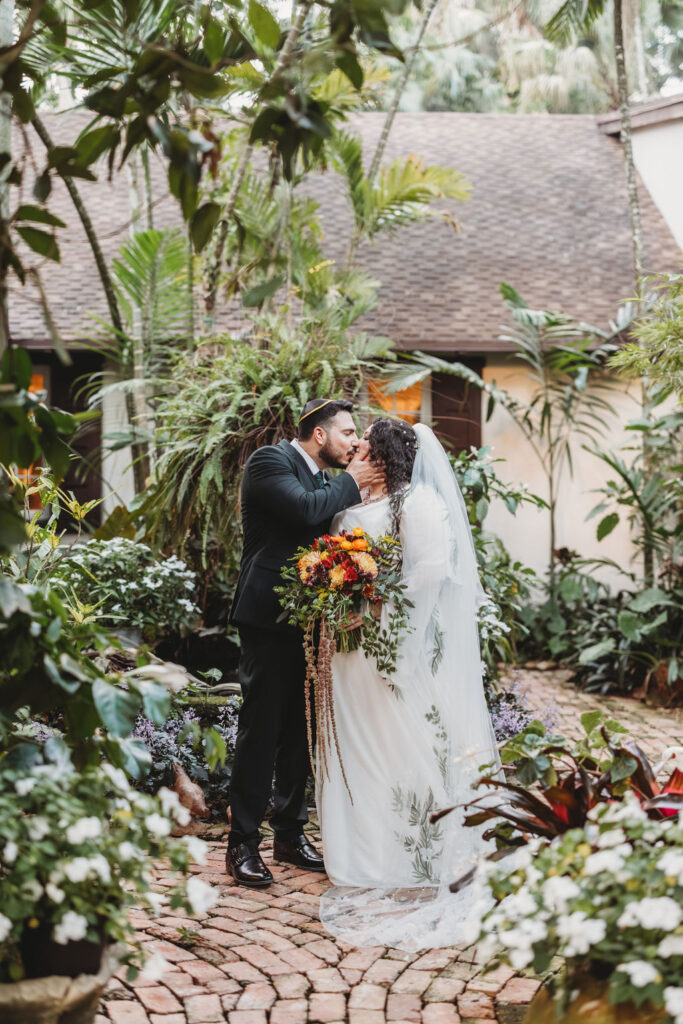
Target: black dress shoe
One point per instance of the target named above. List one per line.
(297, 851)
(245, 865)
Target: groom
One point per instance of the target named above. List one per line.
(287, 501)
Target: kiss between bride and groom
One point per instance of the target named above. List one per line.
(409, 744)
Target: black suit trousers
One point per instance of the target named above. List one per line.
(271, 736)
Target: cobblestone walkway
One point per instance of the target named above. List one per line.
(264, 957)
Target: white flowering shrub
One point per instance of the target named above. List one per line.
(130, 585)
(77, 849)
(607, 897)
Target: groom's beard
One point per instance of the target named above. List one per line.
(333, 460)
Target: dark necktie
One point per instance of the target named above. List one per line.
(319, 478)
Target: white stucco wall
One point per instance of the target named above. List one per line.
(527, 534)
(658, 155)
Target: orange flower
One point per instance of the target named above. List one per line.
(346, 545)
(366, 563)
(358, 531)
(307, 562)
(337, 577)
(359, 545)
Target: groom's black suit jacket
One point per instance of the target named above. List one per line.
(282, 509)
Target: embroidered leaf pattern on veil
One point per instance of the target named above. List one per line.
(441, 748)
(436, 635)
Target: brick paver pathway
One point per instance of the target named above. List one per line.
(264, 958)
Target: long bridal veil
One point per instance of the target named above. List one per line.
(439, 689)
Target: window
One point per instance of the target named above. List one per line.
(39, 387)
(412, 404)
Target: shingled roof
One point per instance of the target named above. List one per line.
(548, 214)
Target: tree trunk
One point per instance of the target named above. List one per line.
(389, 120)
(636, 226)
(627, 143)
(213, 272)
(140, 470)
(552, 508)
(135, 401)
(6, 38)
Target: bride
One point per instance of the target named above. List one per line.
(413, 743)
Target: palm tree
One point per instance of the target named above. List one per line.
(6, 36)
(573, 19)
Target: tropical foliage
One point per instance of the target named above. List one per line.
(494, 57)
(556, 783)
(656, 351)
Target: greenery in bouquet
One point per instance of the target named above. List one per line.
(77, 851)
(347, 573)
(130, 586)
(608, 897)
(327, 583)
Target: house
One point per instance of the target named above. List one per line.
(548, 214)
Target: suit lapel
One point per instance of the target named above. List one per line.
(298, 465)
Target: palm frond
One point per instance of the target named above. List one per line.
(574, 18)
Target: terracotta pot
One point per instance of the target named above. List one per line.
(56, 1000)
(591, 1006)
(42, 956)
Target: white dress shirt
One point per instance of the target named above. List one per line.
(309, 460)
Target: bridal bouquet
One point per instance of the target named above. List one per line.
(336, 577)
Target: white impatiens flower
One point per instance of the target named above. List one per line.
(33, 888)
(77, 870)
(608, 861)
(672, 945)
(172, 806)
(196, 848)
(611, 837)
(9, 854)
(158, 825)
(54, 893)
(200, 896)
(628, 810)
(558, 891)
(24, 786)
(521, 957)
(671, 863)
(100, 866)
(5, 927)
(71, 928)
(518, 904)
(673, 1002)
(128, 851)
(157, 901)
(578, 933)
(660, 912)
(38, 828)
(116, 777)
(84, 828)
(640, 972)
(155, 968)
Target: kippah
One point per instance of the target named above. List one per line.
(321, 403)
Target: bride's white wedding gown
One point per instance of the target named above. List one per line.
(410, 745)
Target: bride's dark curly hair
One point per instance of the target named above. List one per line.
(393, 445)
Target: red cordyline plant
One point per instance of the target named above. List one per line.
(555, 783)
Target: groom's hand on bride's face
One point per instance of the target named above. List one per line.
(364, 472)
